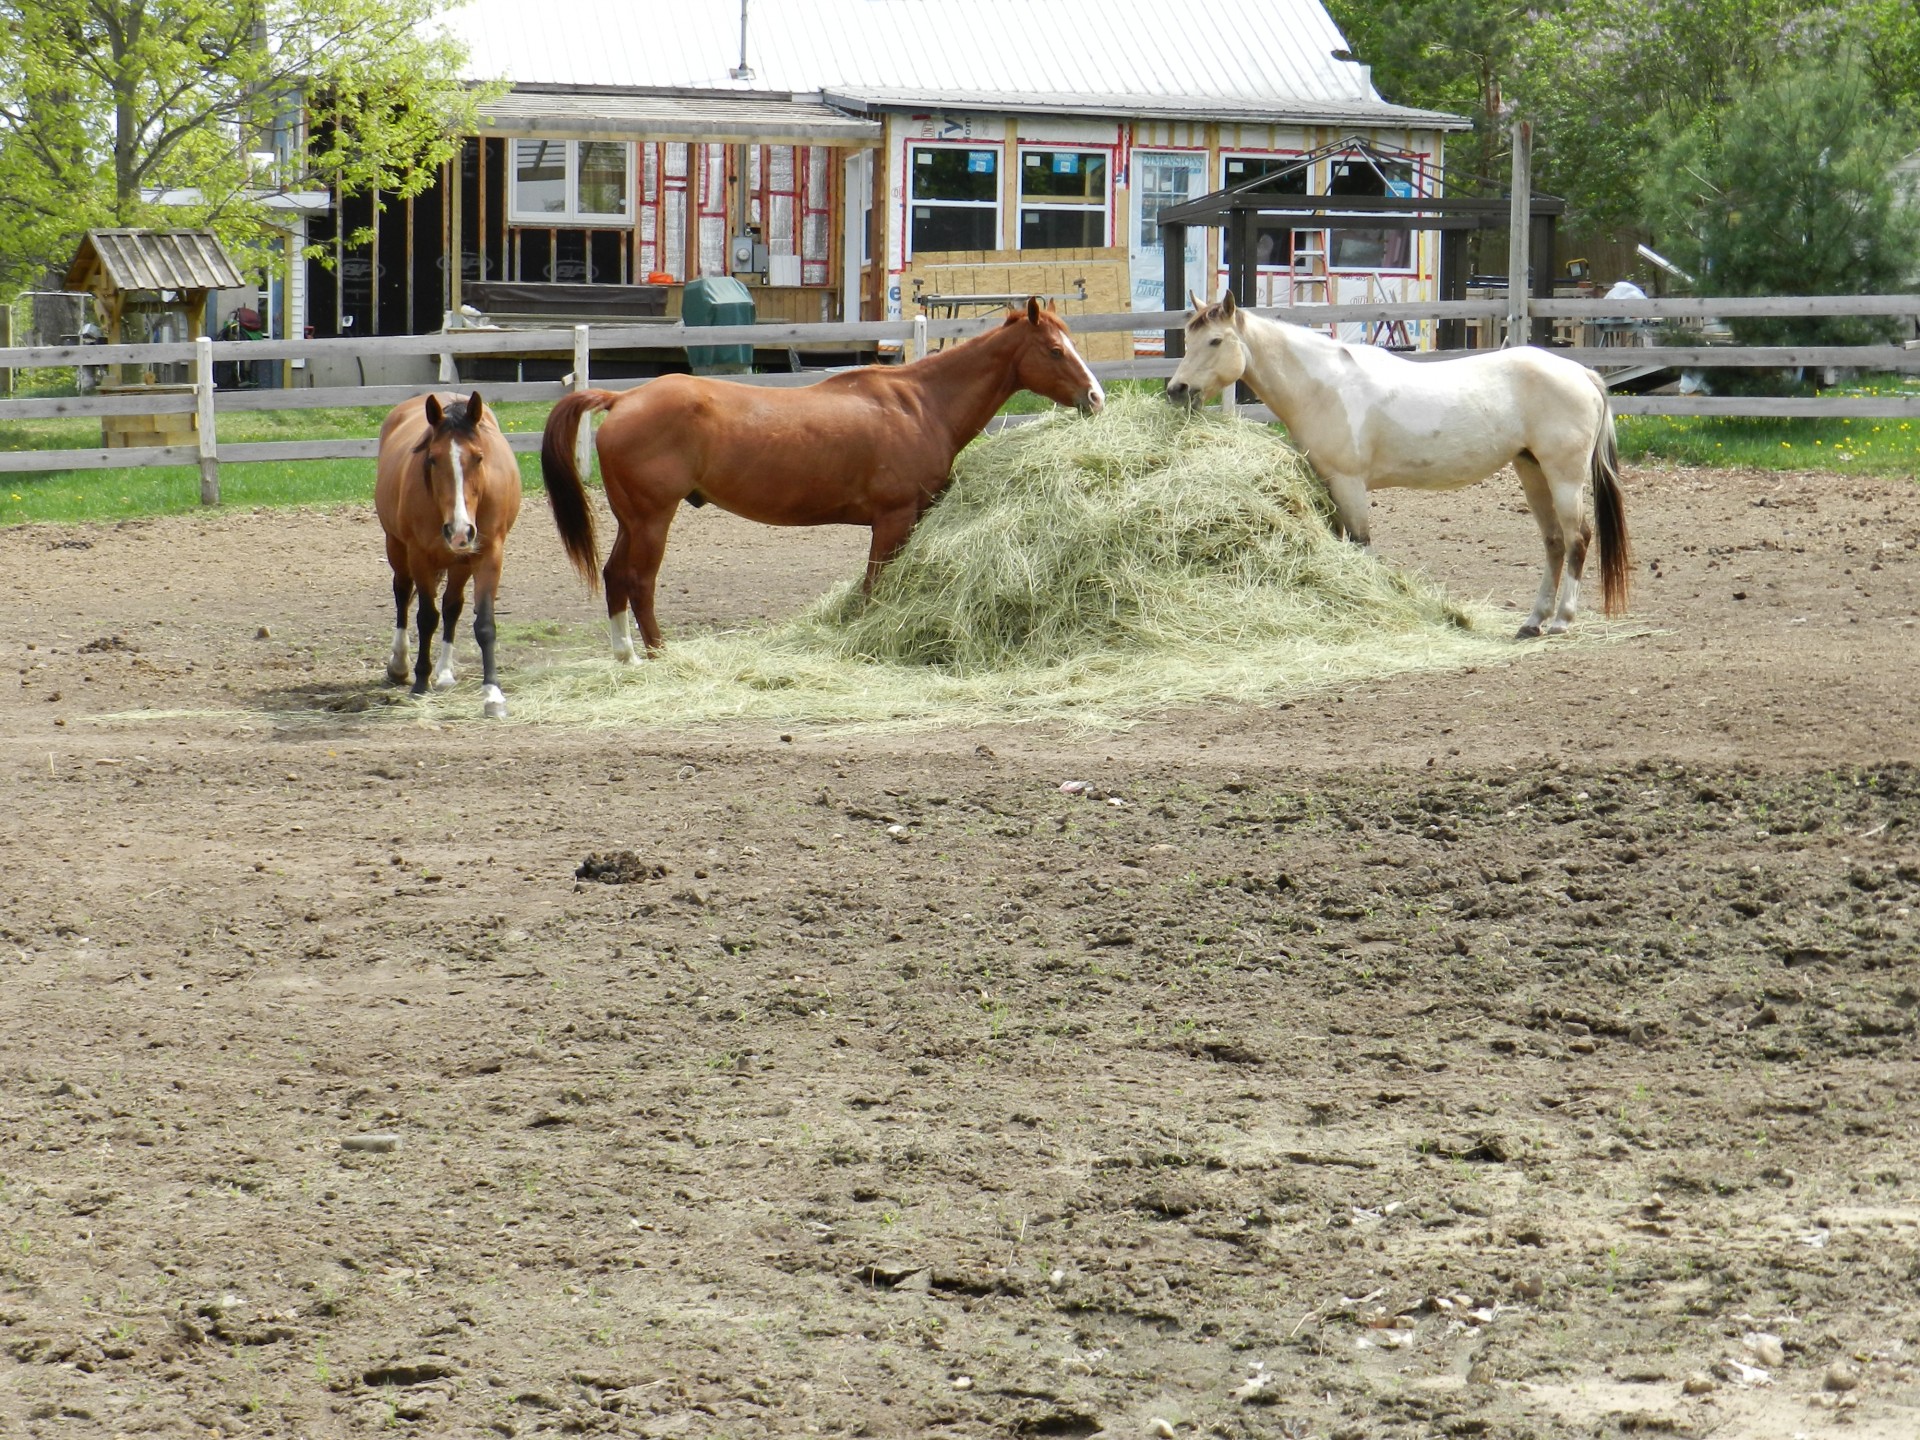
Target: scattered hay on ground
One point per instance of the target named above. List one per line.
(1086, 570)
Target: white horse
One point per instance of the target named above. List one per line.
(1366, 418)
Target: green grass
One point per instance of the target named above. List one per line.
(1862, 447)
(71, 497)
(1028, 403)
(85, 496)
(1845, 446)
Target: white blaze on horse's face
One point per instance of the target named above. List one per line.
(1093, 398)
(460, 533)
(1216, 357)
(1053, 368)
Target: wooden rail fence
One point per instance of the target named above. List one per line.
(914, 337)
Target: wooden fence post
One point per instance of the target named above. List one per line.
(919, 338)
(1519, 232)
(203, 405)
(583, 439)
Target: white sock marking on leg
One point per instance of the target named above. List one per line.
(442, 663)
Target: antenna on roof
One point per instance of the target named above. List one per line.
(742, 71)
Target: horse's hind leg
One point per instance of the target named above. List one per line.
(402, 596)
(1563, 534)
(451, 604)
(619, 617)
(646, 547)
(1582, 537)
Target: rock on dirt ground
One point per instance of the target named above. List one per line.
(1524, 1051)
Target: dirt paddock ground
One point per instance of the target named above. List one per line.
(1527, 1050)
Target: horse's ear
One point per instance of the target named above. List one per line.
(1195, 303)
(1227, 306)
(1033, 309)
(476, 409)
(434, 412)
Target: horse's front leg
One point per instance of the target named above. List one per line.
(890, 531)
(1350, 508)
(451, 604)
(429, 617)
(486, 582)
(402, 597)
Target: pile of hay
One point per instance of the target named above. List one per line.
(1087, 569)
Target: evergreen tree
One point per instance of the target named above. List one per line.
(1789, 190)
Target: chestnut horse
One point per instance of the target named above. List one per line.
(1366, 418)
(447, 491)
(872, 446)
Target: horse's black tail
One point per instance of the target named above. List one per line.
(1610, 511)
(572, 515)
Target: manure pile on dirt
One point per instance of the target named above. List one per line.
(1079, 569)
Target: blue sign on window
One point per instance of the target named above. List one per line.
(1400, 189)
(1066, 164)
(980, 162)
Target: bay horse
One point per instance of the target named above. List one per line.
(447, 490)
(1368, 419)
(870, 446)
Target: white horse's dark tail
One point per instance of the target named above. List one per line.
(1610, 512)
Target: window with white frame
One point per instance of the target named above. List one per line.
(1063, 199)
(954, 201)
(571, 182)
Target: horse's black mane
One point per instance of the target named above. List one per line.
(453, 416)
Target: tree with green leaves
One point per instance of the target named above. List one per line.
(105, 105)
(1604, 83)
(1454, 55)
(1789, 190)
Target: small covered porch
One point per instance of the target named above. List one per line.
(1269, 224)
(600, 206)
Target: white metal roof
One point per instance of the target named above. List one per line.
(744, 119)
(1229, 59)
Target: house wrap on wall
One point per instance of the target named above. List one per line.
(859, 159)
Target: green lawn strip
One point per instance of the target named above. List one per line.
(1844, 446)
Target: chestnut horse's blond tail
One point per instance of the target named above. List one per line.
(572, 514)
(1610, 513)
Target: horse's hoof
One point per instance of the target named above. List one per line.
(417, 690)
(1558, 627)
(399, 674)
(493, 705)
(629, 658)
(1528, 632)
(444, 680)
